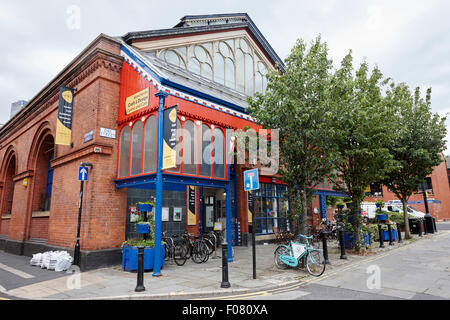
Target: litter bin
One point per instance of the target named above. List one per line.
(428, 223)
(414, 225)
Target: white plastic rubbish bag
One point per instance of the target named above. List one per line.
(52, 260)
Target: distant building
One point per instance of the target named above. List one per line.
(16, 106)
(447, 161)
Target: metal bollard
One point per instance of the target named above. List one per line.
(325, 248)
(225, 283)
(399, 233)
(140, 272)
(390, 235)
(380, 232)
(342, 244)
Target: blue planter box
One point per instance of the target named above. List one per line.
(349, 205)
(381, 217)
(130, 258)
(142, 228)
(340, 206)
(349, 241)
(145, 207)
(386, 235)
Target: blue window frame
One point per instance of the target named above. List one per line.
(271, 208)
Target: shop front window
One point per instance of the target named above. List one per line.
(271, 208)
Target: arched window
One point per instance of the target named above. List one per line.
(124, 155)
(205, 152)
(189, 148)
(218, 153)
(150, 140)
(136, 148)
(177, 149)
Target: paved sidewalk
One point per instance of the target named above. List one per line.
(192, 279)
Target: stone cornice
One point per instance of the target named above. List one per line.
(90, 149)
(90, 60)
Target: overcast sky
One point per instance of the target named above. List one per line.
(408, 40)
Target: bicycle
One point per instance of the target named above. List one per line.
(174, 249)
(196, 248)
(296, 254)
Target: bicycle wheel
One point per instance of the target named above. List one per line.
(205, 250)
(179, 254)
(167, 250)
(198, 252)
(315, 264)
(281, 251)
(210, 245)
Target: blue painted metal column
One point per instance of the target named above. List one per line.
(229, 235)
(159, 186)
(228, 204)
(323, 206)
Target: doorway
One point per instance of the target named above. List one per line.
(212, 208)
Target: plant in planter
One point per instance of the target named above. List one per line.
(140, 215)
(130, 254)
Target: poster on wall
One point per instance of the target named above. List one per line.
(170, 138)
(192, 217)
(165, 214)
(177, 214)
(64, 118)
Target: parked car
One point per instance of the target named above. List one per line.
(370, 209)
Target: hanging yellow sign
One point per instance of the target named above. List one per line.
(64, 117)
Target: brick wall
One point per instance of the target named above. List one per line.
(96, 75)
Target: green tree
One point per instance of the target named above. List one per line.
(296, 103)
(361, 132)
(419, 139)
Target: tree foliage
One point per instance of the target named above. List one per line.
(296, 103)
(361, 131)
(417, 144)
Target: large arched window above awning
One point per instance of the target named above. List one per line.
(124, 153)
(218, 153)
(150, 142)
(136, 149)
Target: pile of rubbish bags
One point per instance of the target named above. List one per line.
(52, 260)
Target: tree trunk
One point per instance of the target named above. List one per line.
(405, 217)
(304, 200)
(356, 224)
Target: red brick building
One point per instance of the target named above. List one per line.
(206, 66)
(438, 190)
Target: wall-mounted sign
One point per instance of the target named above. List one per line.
(218, 226)
(89, 136)
(107, 133)
(192, 218)
(137, 101)
(64, 118)
(170, 138)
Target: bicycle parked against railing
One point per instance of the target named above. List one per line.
(298, 254)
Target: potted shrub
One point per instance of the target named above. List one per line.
(381, 216)
(140, 216)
